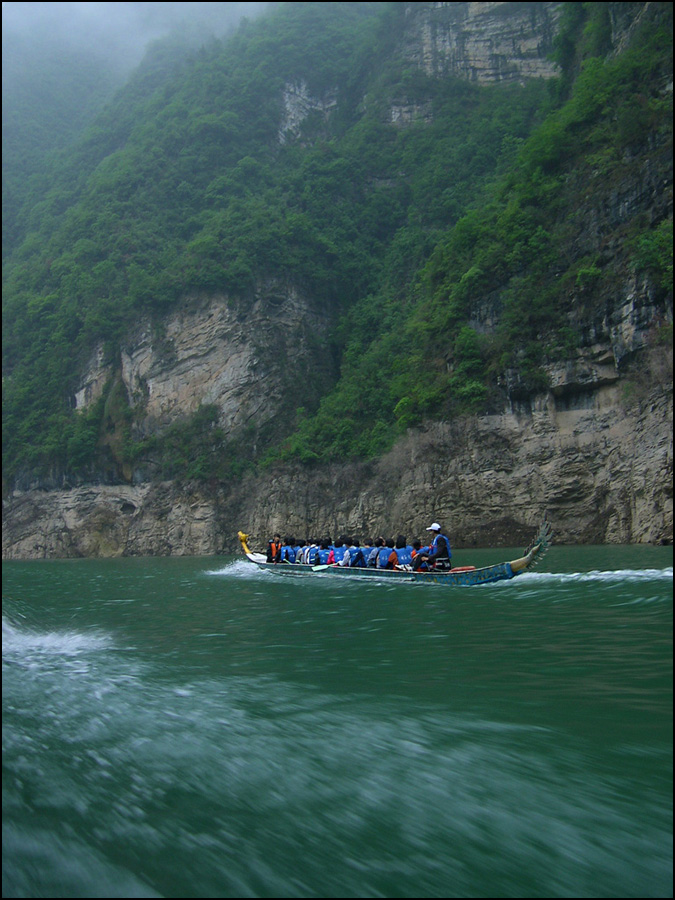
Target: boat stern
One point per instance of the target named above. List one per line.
(536, 551)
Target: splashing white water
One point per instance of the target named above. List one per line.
(20, 640)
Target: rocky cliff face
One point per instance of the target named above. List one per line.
(298, 104)
(487, 43)
(483, 42)
(247, 360)
(603, 473)
(595, 451)
(241, 359)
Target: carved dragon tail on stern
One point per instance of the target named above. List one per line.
(537, 549)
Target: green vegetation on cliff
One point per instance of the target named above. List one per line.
(183, 188)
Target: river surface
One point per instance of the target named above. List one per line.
(200, 728)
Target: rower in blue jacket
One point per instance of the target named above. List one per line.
(439, 554)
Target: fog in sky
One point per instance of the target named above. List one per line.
(115, 33)
(61, 62)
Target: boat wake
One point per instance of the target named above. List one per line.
(616, 575)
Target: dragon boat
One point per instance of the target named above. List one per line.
(463, 575)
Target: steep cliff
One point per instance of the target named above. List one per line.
(590, 443)
(603, 473)
(595, 452)
(246, 360)
(483, 42)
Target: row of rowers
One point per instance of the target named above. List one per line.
(349, 551)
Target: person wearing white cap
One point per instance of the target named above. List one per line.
(439, 554)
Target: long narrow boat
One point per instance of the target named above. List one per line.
(465, 575)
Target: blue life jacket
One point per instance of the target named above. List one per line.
(322, 557)
(383, 557)
(404, 555)
(434, 545)
(312, 556)
(339, 552)
(357, 558)
(288, 553)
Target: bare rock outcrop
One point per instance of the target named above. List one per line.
(483, 42)
(603, 473)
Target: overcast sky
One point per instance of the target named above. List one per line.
(113, 31)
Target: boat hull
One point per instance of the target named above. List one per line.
(485, 575)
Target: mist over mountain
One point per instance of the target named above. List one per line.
(116, 35)
(61, 62)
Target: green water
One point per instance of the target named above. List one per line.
(199, 728)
